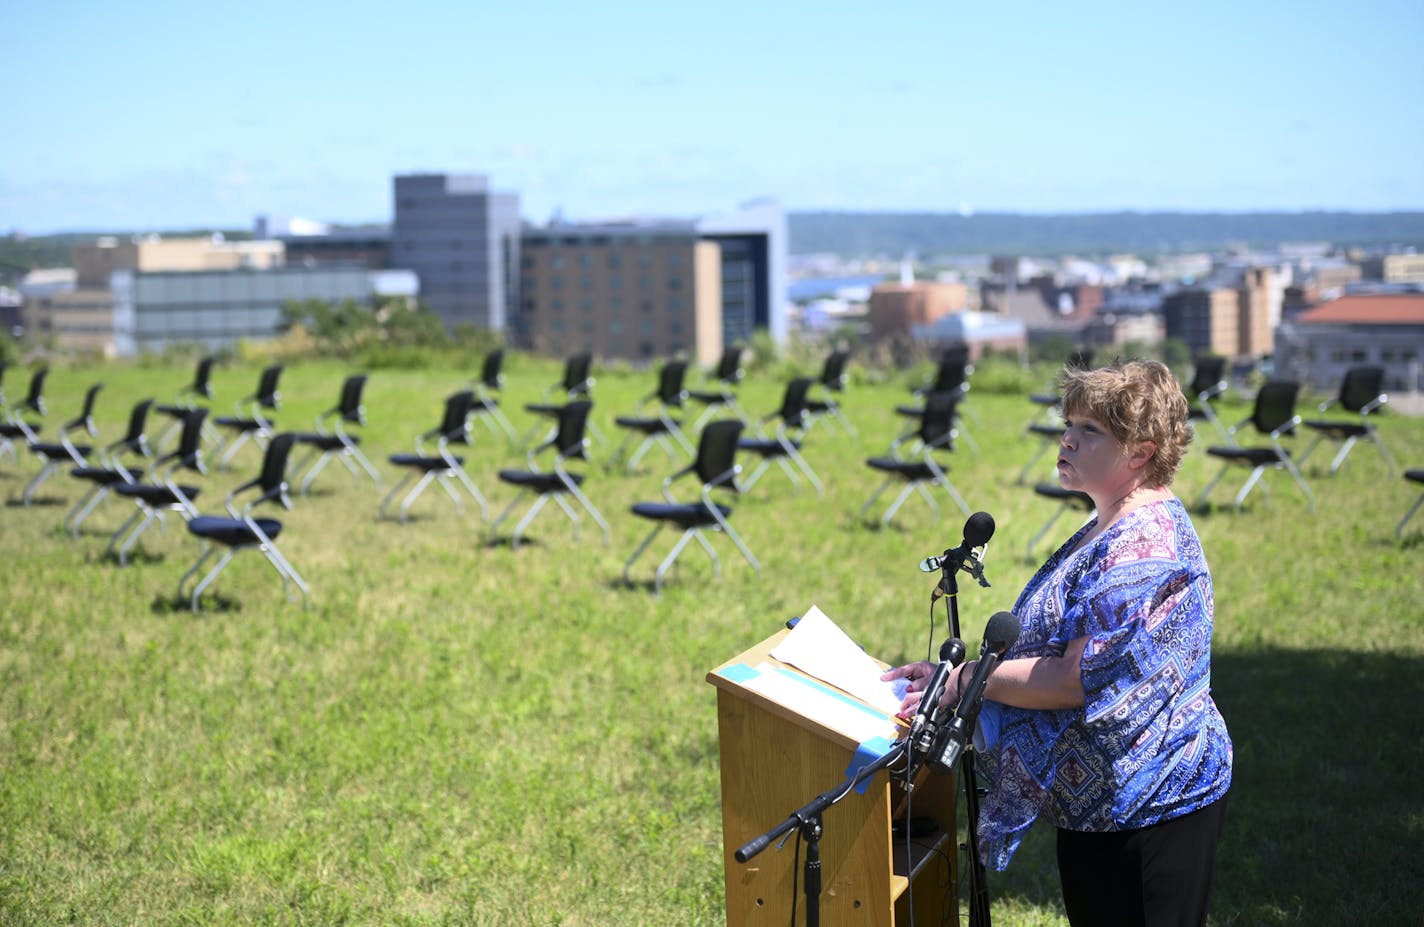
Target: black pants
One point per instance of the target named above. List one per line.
(1158, 876)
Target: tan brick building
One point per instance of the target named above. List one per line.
(897, 308)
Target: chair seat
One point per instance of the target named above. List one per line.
(648, 426)
(484, 404)
(817, 405)
(234, 532)
(173, 411)
(1054, 491)
(711, 399)
(907, 469)
(56, 451)
(766, 447)
(539, 482)
(326, 442)
(424, 463)
(1045, 430)
(685, 514)
(1414, 476)
(11, 430)
(241, 424)
(156, 496)
(1251, 456)
(910, 411)
(544, 408)
(104, 476)
(1043, 399)
(1339, 430)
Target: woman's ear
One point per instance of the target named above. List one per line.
(1142, 452)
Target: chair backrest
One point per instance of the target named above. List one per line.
(670, 391)
(717, 449)
(274, 464)
(573, 420)
(490, 377)
(1275, 405)
(350, 408)
(729, 368)
(576, 373)
(134, 439)
(454, 424)
(1361, 386)
(937, 420)
(952, 371)
(4, 365)
(85, 418)
(190, 440)
(793, 402)
(267, 395)
(1081, 359)
(203, 377)
(1208, 373)
(833, 373)
(34, 400)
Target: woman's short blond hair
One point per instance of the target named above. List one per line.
(1136, 401)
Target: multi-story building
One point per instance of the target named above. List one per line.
(639, 291)
(370, 248)
(1258, 306)
(462, 241)
(897, 308)
(753, 239)
(1403, 268)
(1208, 320)
(1319, 345)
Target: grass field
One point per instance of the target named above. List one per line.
(458, 733)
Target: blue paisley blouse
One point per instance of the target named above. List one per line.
(1149, 744)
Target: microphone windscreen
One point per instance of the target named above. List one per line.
(979, 529)
(1000, 633)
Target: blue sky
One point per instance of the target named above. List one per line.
(167, 115)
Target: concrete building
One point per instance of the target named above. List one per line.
(1403, 268)
(370, 248)
(978, 330)
(1319, 345)
(754, 242)
(897, 308)
(462, 241)
(95, 262)
(638, 291)
(1259, 302)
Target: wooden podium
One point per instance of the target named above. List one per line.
(774, 761)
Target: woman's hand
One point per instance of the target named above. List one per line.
(919, 674)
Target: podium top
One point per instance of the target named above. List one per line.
(758, 677)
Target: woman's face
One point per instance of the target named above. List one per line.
(1090, 459)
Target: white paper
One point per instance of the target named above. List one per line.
(809, 700)
(819, 648)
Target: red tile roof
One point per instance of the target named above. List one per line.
(1391, 309)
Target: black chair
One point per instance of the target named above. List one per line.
(1413, 476)
(783, 447)
(442, 466)
(716, 468)
(1080, 359)
(249, 422)
(1067, 499)
(653, 418)
(54, 455)
(1362, 393)
(951, 376)
(188, 398)
(111, 470)
(1274, 417)
(912, 458)
(577, 383)
(156, 492)
(832, 382)
(238, 530)
(333, 440)
(487, 389)
(568, 443)
(1049, 433)
(16, 426)
(1208, 383)
(725, 380)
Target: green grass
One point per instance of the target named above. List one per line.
(453, 733)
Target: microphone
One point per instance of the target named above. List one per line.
(925, 723)
(999, 636)
(977, 532)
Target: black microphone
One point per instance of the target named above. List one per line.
(999, 636)
(977, 532)
(925, 723)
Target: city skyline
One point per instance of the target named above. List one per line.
(150, 118)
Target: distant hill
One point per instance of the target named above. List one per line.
(1142, 233)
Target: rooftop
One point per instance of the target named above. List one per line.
(1389, 309)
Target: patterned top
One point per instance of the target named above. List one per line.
(1149, 744)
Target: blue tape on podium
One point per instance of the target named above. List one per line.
(865, 754)
(739, 672)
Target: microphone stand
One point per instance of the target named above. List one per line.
(807, 819)
(978, 887)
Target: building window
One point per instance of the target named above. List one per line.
(674, 283)
(613, 261)
(557, 262)
(616, 326)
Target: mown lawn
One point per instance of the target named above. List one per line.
(458, 733)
